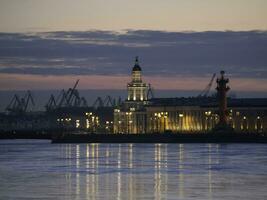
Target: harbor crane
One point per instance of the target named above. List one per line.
(107, 102)
(150, 93)
(69, 98)
(206, 91)
(51, 104)
(20, 105)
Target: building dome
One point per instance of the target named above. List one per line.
(136, 65)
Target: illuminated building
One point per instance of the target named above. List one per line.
(138, 114)
(131, 116)
(137, 90)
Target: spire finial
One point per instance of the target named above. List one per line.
(136, 60)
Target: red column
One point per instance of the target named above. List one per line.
(222, 89)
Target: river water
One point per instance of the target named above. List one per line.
(34, 169)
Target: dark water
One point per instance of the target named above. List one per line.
(40, 170)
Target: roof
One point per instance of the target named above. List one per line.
(136, 65)
(208, 102)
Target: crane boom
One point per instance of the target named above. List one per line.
(206, 91)
(72, 91)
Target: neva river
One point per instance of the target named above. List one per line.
(32, 169)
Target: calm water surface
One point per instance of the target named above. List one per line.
(32, 169)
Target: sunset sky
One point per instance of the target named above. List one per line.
(48, 44)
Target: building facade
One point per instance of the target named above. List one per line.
(130, 117)
(139, 115)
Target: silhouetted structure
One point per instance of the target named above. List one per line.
(19, 105)
(222, 89)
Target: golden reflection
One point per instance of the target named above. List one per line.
(87, 170)
(157, 175)
(107, 157)
(130, 176)
(130, 156)
(181, 174)
(209, 171)
(96, 168)
(91, 169)
(166, 168)
(68, 175)
(77, 171)
(119, 174)
(126, 186)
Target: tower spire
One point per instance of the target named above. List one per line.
(136, 65)
(136, 60)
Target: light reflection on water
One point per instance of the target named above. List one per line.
(37, 169)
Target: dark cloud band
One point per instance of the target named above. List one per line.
(242, 54)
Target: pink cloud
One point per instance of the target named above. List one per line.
(24, 82)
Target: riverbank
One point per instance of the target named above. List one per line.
(59, 136)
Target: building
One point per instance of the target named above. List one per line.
(138, 114)
(130, 117)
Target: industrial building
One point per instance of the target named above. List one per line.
(141, 114)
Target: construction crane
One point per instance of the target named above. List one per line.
(69, 98)
(150, 93)
(206, 91)
(26, 100)
(51, 104)
(107, 102)
(71, 92)
(98, 102)
(119, 102)
(20, 105)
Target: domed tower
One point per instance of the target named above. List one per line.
(137, 90)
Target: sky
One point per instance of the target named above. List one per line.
(48, 44)
(170, 15)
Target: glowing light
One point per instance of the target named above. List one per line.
(87, 123)
(77, 123)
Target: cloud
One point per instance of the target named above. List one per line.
(40, 82)
(241, 54)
